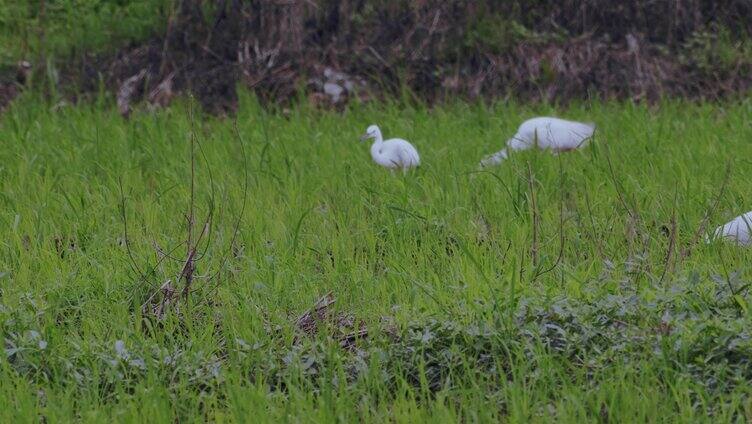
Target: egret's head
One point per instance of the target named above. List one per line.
(372, 132)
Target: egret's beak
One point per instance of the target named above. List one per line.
(364, 137)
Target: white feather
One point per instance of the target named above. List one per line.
(737, 230)
(558, 135)
(394, 153)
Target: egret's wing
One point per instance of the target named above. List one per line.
(583, 135)
(407, 155)
(412, 155)
(403, 157)
(737, 230)
(743, 229)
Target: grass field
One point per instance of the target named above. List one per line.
(566, 288)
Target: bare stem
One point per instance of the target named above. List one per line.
(534, 215)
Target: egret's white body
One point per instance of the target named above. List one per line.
(738, 230)
(393, 153)
(556, 134)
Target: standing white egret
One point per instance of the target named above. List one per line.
(556, 134)
(393, 153)
(738, 230)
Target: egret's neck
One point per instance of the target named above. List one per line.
(376, 146)
(378, 139)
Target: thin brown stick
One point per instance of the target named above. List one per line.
(161, 254)
(236, 228)
(191, 207)
(168, 297)
(155, 266)
(668, 263)
(561, 225)
(209, 221)
(708, 213)
(133, 263)
(619, 189)
(186, 273)
(534, 215)
(594, 236)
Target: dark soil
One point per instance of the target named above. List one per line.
(329, 51)
(12, 80)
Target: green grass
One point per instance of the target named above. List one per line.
(63, 28)
(443, 255)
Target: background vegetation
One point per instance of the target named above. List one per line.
(542, 50)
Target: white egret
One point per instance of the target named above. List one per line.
(393, 153)
(556, 134)
(738, 230)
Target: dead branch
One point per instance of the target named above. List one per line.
(309, 320)
(126, 92)
(196, 242)
(347, 331)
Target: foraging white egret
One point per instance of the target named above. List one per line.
(393, 153)
(738, 230)
(556, 134)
